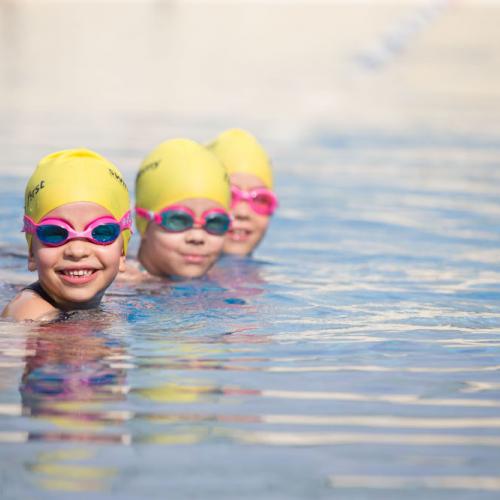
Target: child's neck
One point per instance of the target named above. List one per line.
(73, 306)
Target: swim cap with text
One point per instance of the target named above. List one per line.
(176, 170)
(75, 175)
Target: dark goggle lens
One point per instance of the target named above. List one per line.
(217, 224)
(52, 234)
(106, 233)
(176, 221)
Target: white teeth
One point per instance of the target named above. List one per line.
(79, 272)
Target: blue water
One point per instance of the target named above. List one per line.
(357, 355)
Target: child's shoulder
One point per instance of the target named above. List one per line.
(28, 305)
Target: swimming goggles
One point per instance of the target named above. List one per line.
(261, 200)
(178, 218)
(53, 232)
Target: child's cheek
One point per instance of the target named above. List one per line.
(111, 256)
(263, 222)
(216, 243)
(44, 258)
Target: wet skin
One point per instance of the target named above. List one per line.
(186, 254)
(248, 227)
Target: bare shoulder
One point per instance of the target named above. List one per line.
(28, 305)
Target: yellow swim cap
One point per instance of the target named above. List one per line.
(176, 170)
(74, 175)
(240, 152)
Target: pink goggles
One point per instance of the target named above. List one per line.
(261, 200)
(178, 218)
(53, 232)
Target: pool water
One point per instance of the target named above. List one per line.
(357, 354)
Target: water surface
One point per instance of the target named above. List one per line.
(357, 355)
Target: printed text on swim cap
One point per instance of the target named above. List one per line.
(149, 166)
(31, 194)
(117, 177)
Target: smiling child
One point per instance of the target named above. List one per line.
(253, 201)
(77, 224)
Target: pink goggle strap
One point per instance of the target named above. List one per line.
(156, 216)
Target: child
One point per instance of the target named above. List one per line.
(77, 224)
(182, 198)
(253, 201)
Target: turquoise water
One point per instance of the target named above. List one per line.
(356, 356)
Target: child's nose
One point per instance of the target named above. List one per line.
(241, 210)
(196, 236)
(77, 249)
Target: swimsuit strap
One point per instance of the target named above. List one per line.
(37, 288)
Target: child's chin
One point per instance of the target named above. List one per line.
(82, 300)
(189, 273)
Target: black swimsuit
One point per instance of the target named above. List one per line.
(37, 288)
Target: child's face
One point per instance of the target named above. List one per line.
(248, 227)
(186, 254)
(77, 273)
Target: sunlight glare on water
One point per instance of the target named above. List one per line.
(357, 355)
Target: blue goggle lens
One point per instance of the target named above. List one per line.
(52, 234)
(106, 233)
(217, 224)
(177, 221)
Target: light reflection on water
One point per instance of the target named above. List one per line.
(363, 358)
(358, 355)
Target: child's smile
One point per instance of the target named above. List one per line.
(77, 224)
(77, 273)
(239, 233)
(248, 227)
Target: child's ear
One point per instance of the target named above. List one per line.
(122, 266)
(31, 261)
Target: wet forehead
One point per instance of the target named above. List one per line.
(246, 181)
(199, 205)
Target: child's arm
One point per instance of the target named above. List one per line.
(28, 305)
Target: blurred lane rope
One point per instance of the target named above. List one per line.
(399, 36)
